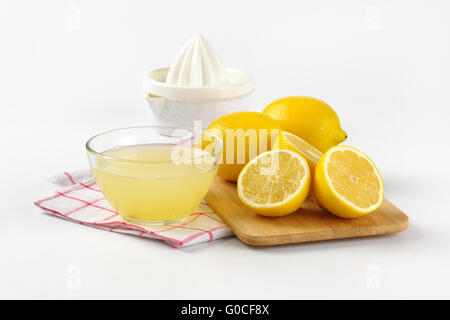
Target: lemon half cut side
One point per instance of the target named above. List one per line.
(347, 183)
(275, 183)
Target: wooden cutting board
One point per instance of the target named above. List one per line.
(309, 223)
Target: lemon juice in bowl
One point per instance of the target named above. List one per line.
(153, 174)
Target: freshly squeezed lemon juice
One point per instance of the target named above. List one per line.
(144, 183)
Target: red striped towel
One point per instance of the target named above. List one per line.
(78, 199)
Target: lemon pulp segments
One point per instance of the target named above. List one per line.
(362, 179)
(265, 179)
(275, 183)
(347, 183)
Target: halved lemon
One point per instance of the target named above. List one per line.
(347, 183)
(275, 183)
(289, 141)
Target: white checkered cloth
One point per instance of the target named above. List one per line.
(78, 199)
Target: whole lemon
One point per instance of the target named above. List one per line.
(309, 118)
(245, 135)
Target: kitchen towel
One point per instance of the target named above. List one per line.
(77, 198)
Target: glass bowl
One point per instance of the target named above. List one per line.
(154, 174)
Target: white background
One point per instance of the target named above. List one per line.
(70, 69)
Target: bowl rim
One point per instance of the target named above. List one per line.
(90, 150)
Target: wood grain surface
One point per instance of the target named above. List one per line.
(309, 223)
